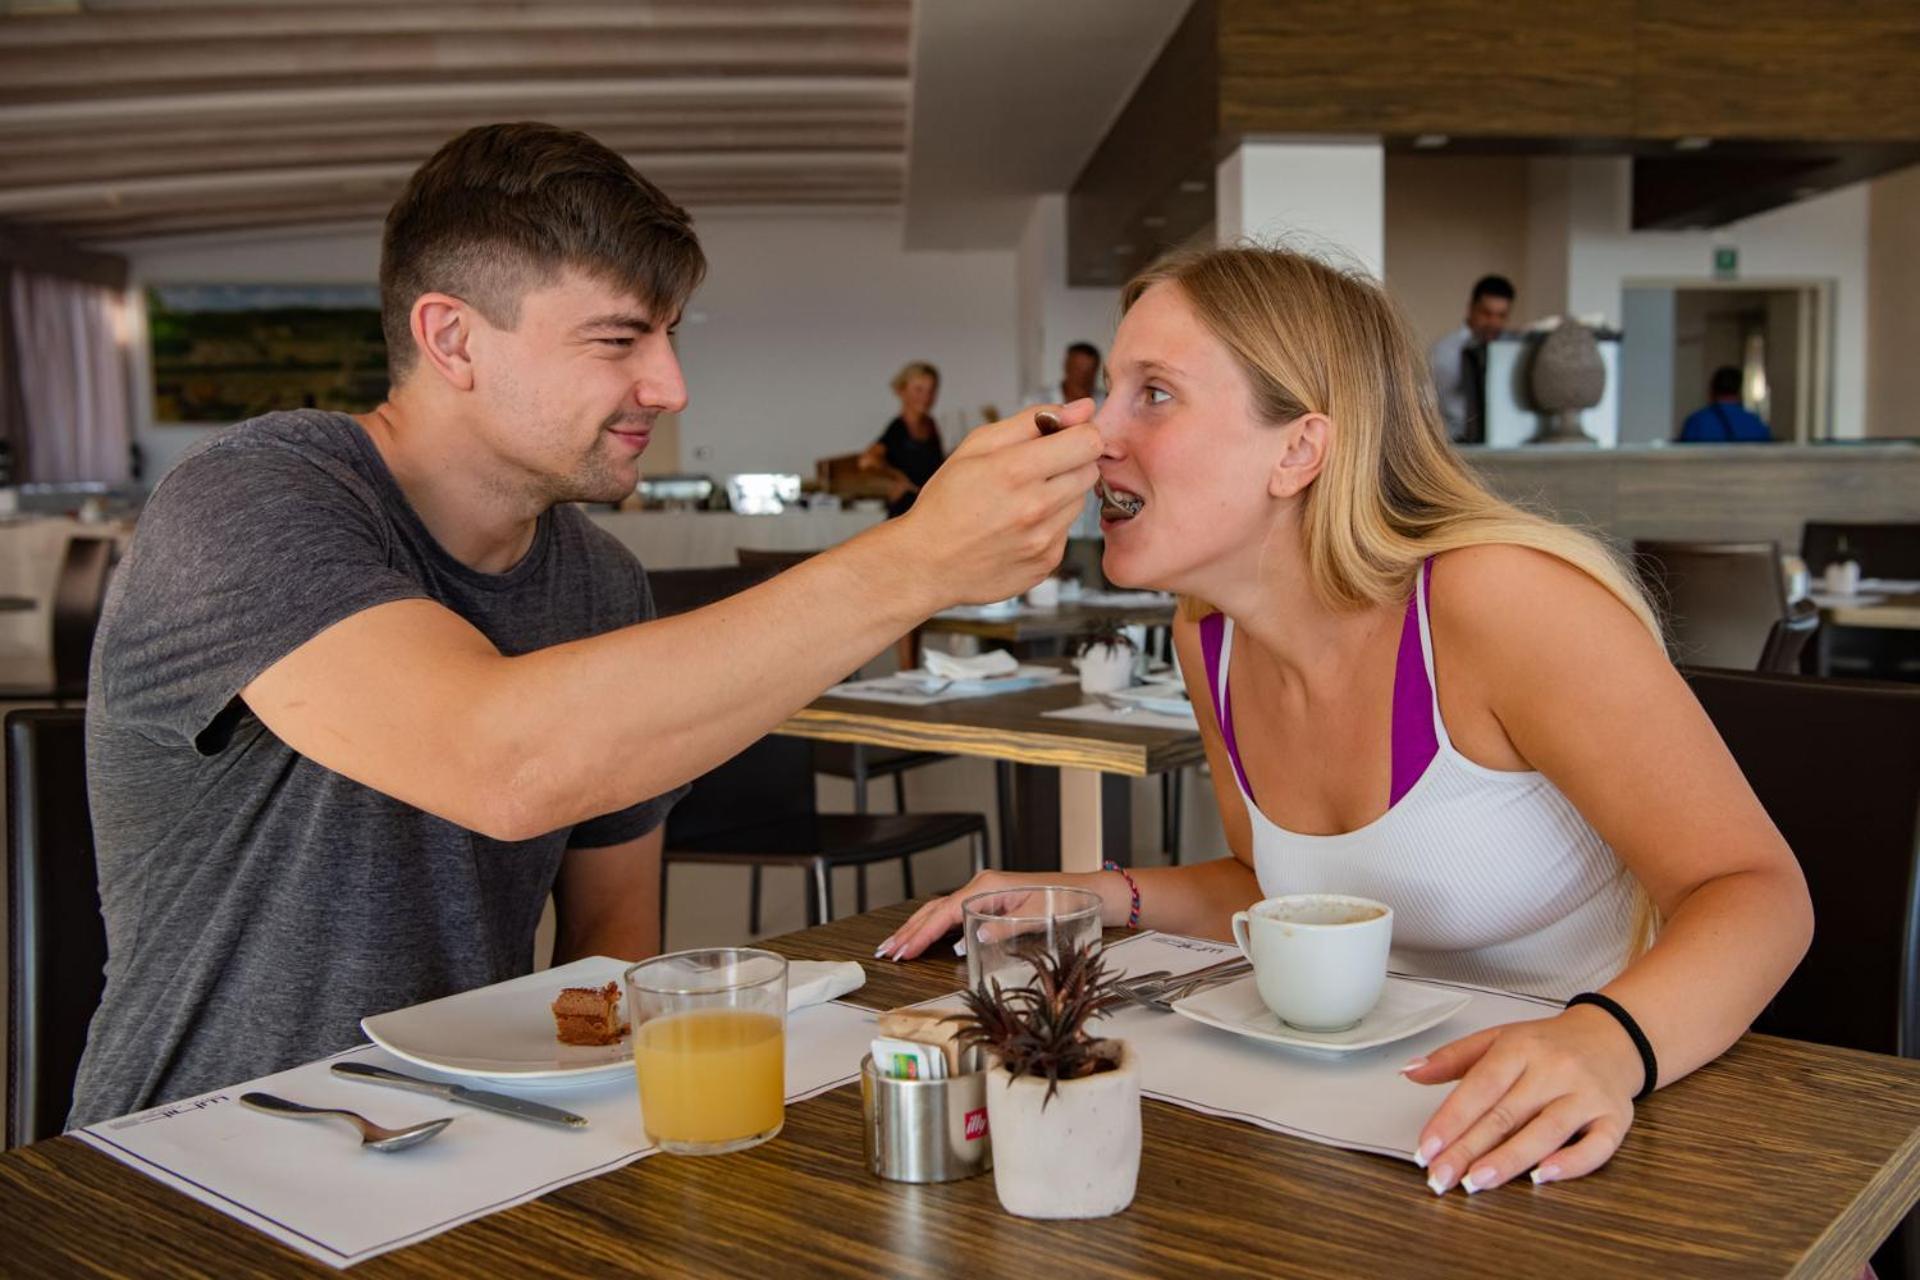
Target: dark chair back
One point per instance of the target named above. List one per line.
(1883, 550)
(77, 597)
(769, 780)
(777, 561)
(1721, 600)
(1789, 636)
(684, 590)
(1836, 763)
(57, 967)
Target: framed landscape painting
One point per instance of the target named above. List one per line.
(224, 352)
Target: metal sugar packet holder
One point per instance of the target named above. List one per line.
(926, 1130)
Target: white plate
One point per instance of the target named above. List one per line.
(1167, 698)
(505, 1033)
(1407, 1007)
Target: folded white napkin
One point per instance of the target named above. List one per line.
(818, 981)
(997, 663)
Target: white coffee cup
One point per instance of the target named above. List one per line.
(1843, 577)
(1045, 594)
(1319, 959)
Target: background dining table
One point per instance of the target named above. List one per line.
(1879, 611)
(1064, 788)
(1779, 1159)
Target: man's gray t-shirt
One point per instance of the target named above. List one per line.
(257, 904)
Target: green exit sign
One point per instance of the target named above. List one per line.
(1726, 262)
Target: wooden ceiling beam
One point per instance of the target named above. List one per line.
(57, 168)
(203, 22)
(504, 98)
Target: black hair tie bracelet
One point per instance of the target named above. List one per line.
(1639, 1037)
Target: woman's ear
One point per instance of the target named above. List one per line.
(1305, 453)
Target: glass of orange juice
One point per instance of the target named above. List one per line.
(709, 1047)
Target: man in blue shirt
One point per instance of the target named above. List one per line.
(1726, 420)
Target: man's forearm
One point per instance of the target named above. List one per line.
(597, 724)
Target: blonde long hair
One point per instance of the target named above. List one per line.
(1314, 338)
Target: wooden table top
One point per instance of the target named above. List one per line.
(1070, 618)
(1894, 613)
(1005, 726)
(1779, 1159)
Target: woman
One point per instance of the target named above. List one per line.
(909, 450)
(1412, 691)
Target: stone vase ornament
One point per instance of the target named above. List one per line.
(1076, 1156)
(1566, 377)
(1105, 667)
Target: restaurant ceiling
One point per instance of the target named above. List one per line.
(130, 118)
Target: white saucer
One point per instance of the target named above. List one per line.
(504, 1033)
(1163, 697)
(1406, 1008)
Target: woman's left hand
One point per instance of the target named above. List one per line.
(1553, 1095)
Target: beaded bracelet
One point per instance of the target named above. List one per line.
(1648, 1065)
(1133, 911)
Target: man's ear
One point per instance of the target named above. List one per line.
(1308, 438)
(442, 330)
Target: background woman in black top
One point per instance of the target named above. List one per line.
(909, 451)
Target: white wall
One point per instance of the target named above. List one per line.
(1324, 198)
(805, 317)
(788, 348)
(1822, 238)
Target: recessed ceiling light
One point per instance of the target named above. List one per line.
(1431, 141)
(1692, 144)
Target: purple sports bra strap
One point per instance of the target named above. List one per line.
(1415, 743)
(1213, 632)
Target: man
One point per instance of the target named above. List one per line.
(1459, 360)
(365, 690)
(1080, 374)
(1725, 420)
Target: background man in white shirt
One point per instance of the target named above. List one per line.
(1459, 360)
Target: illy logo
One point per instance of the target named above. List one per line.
(976, 1122)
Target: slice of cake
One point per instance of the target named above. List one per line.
(589, 1015)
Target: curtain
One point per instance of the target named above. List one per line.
(74, 393)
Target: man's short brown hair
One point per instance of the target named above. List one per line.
(504, 208)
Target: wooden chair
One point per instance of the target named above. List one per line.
(58, 941)
(1725, 604)
(1836, 764)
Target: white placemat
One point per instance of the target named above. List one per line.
(1355, 1100)
(1139, 718)
(309, 1185)
(904, 693)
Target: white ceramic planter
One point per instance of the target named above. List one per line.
(1105, 668)
(1079, 1156)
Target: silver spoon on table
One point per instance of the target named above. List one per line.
(378, 1137)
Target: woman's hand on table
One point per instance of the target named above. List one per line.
(1554, 1096)
(941, 916)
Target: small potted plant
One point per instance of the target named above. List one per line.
(1063, 1105)
(1106, 660)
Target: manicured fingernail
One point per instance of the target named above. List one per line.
(1545, 1173)
(1479, 1180)
(1441, 1180)
(1414, 1065)
(1428, 1150)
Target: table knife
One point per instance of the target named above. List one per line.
(499, 1102)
